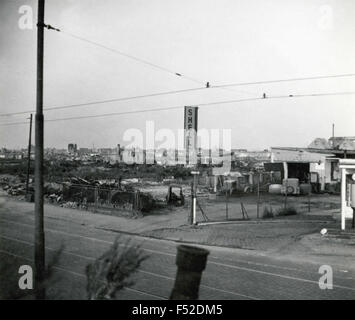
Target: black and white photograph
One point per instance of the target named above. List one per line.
(177, 154)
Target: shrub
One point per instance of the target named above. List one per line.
(268, 213)
(109, 273)
(288, 211)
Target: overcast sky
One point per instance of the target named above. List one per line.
(220, 41)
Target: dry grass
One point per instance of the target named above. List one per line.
(268, 213)
(288, 211)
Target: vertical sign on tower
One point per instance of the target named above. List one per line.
(190, 126)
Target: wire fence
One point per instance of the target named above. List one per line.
(97, 197)
(263, 203)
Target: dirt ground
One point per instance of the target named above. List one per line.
(294, 236)
(299, 233)
(222, 208)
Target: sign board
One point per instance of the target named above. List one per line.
(190, 118)
(190, 126)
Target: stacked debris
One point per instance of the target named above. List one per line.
(14, 186)
(133, 195)
(108, 194)
(15, 190)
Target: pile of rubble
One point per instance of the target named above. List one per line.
(15, 190)
(14, 186)
(106, 194)
(134, 194)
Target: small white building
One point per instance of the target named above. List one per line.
(347, 168)
(300, 162)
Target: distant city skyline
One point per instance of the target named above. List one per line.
(315, 140)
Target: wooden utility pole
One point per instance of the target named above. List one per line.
(39, 228)
(192, 218)
(194, 200)
(29, 155)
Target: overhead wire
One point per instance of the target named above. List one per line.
(69, 106)
(197, 104)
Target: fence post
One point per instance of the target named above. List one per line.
(309, 193)
(137, 200)
(258, 201)
(286, 186)
(309, 201)
(96, 196)
(226, 194)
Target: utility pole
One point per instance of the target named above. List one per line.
(192, 217)
(333, 136)
(29, 155)
(39, 228)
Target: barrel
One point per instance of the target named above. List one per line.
(305, 188)
(275, 188)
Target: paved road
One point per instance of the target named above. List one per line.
(230, 273)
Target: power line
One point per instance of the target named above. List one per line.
(143, 61)
(321, 94)
(284, 80)
(129, 56)
(207, 84)
(199, 104)
(154, 65)
(175, 92)
(224, 86)
(105, 101)
(146, 62)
